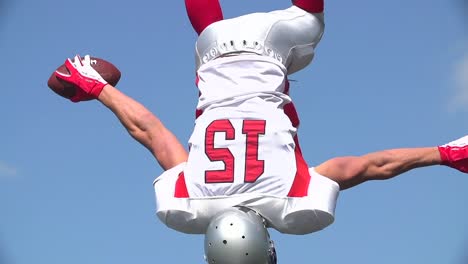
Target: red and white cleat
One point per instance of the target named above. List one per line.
(455, 154)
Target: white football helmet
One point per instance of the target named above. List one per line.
(238, 236)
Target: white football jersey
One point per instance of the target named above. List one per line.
(244, 140)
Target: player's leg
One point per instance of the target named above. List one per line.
(382, 165)
(203, 13)
(311, 6)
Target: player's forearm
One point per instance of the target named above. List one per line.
(133, 116)
(390, 163)
(353, 170)
(145, 127)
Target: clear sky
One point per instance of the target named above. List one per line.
(75, 188)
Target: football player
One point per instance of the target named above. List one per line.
(244, 171)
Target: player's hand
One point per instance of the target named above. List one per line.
(88, 81)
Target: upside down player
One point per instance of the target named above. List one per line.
(244, 170)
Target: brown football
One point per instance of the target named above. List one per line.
(107, 70)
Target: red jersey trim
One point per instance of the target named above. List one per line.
(181, 187)
(300, 185)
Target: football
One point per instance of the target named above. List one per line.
(107, 70)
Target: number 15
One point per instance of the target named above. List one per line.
(254, 167)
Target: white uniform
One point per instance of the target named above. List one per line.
(290, 215)
(244, 149)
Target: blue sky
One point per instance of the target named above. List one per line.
(75, 188)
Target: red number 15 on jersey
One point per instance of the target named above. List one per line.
(254, 167)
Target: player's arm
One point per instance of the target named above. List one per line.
(382, 165)
(144, 127)
(141, 124)
(203, 13)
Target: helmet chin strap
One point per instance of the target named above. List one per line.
(272, 253)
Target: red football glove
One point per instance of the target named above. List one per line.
(88, 81)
